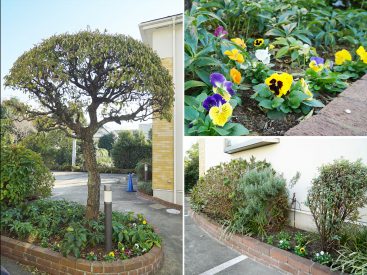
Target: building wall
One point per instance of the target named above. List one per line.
(292, 155)
(168, 136)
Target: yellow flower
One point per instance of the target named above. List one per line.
(302, 250)
(144, 222)
(313, 65)
(235, 55)
(221, 114)
(271, 46)
(111, 254)
(239, 42)
(342, 56)
(258, 42)
(279, 84)
(306, 90)
(235, 75)
(362, 54)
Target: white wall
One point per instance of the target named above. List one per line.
(294, 154)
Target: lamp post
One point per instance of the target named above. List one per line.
(145, 172)
(108, 217)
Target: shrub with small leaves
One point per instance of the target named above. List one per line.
(335, 196)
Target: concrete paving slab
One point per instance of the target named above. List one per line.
(203, 253)
(157, 206)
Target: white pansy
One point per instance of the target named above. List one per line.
(322, 252)
(317, 254)
(263, 56)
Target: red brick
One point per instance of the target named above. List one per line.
(300, 263)
(133, 272)
(264, 248)
(132, 264)
(279, 254)
(318, 269)
(97, 267)
(67, 262)
(114, 267)
(288, 268)
(83, 265)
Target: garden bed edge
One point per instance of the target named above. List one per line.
(54, 263)
(263, 253)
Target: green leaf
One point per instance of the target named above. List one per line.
(266, 103)
(275, 115)
(282, 51)
(206, 61)
(275, 32)
(303, 38)
(191, 101)
(294, 55)
(239, 130)
(204, 76)
(190, 113)
(194, 83)
(221, 131)
(277, 101)
(314, 103)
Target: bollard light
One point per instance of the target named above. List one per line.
(108, 217)
(146, 172)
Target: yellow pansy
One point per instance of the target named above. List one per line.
(111, 254)
(279, 84)
(271, 47)
(362, 54)
(342, 56)
(313, 65)
(235, 55)
(220, 114)
(235, 75)
(239, 42)
(258, 42)
(306, 90)
(144, 222)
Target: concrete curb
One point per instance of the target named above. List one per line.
(344, 116)
(54, 263)
(263, 253)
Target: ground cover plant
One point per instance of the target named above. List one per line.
(250, 198)
(260, 67)
(62, 227)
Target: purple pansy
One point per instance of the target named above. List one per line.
(214, 100)
(219, 81)
(318, 60)
(220, 32)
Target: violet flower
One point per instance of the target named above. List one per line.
(220, 32)
(219, 81)
(214, 100)
(318, 60)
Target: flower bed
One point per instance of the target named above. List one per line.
(53, 263)
(261, 67)
(62, 227)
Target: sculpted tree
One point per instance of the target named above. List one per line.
(85, 80)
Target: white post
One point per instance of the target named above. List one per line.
(73, 154)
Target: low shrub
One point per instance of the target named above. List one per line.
(62, 226)
(215, 191)
(191, 167)
(261, 203)
(145, 187)
(335, 196)
(24, 176)
(352, 262)
(140, 169)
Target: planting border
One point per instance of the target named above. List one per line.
(54, 263)
(263, 253)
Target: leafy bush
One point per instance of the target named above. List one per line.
(335, 196)
(191, 167)
(103, 159)
(352, 262)
(129, 149)
(261, 202)
(214, 193)
(140, 169)
(23, 176)
(145, 187)
(106, 142)
(62, 226)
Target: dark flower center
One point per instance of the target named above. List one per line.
(275, 86)
(257, 42)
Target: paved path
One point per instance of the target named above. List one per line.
(72, 186)
(344, 116)
(207, 256)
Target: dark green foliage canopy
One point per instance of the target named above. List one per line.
(191, 167)
(130, 148)
(106, 142)
(109, 77)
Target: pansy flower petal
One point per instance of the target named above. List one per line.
(217, 79)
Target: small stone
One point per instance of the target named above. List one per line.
(347, 111)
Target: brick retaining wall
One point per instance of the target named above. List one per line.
(263, 253)
(54, 263)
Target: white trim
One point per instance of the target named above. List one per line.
(225, 265)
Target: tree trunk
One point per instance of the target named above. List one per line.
(94, 179)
